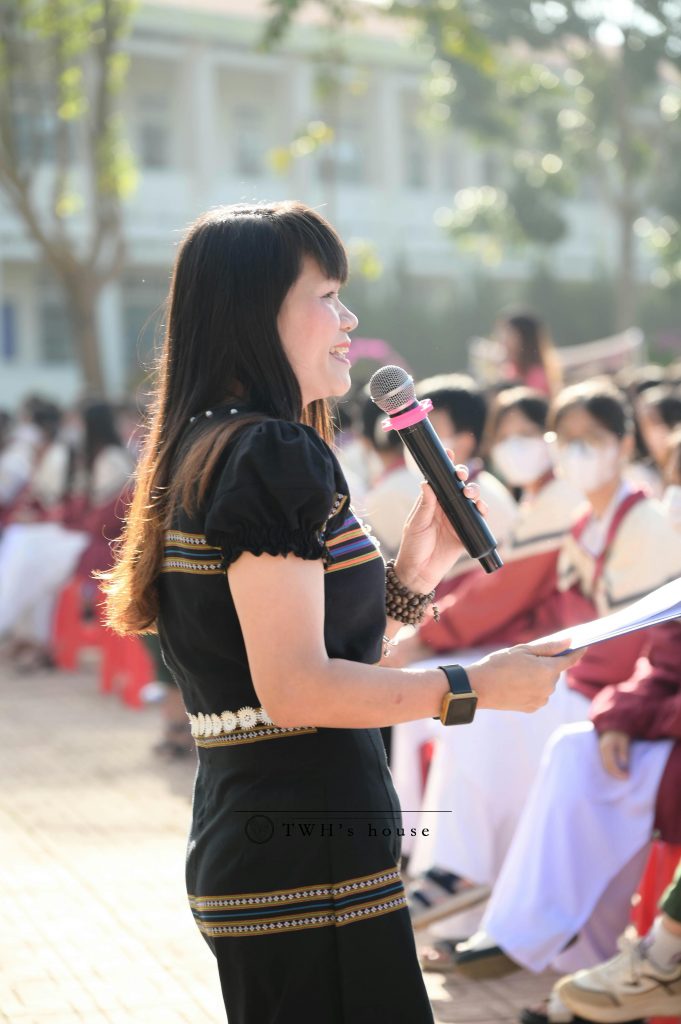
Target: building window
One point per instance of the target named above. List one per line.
(415, 157)
(249, 141)
(8, 331)
(344, 159)
(57, 333)
(34, 132)
(153, 132)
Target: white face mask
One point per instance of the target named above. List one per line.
(672, 505)
(522, 460)
(588, 467)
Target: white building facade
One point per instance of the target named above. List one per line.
(204, 110)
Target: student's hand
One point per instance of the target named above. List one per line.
(520, 678)
(614, 748)
(430, 546)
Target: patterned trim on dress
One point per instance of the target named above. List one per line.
(230, 728)
(294, 910)
(350, 545)
(190, 553)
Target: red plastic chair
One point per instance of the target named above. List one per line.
(71, 630)
(126, 667)
(662, 862)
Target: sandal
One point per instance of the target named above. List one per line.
(437, 894)
(439, 955)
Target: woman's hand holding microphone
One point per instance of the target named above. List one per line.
(518, 678)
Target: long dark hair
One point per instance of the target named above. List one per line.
(536, 347)
(601, 399)
(231, 275)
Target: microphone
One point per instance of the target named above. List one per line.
(392, 390)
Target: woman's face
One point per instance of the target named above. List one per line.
(515, 423)
(510, 339)
(313, 326)
(519, 451)
(589, 455)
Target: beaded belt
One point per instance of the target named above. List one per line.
(228, 721)
(232, 728)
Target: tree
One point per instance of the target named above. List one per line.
(566, 94)
(63, 163)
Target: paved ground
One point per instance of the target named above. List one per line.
(93, 921)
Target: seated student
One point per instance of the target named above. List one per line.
(98, 497)
(620, 548)
(643, 980)
(37, 557)
(633, 382)
(671, 499)
(658, 411)
(459, 418)
(564, 892)
(531, 358)
(519, 601)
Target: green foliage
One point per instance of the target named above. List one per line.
(61, 65)
(567, 98)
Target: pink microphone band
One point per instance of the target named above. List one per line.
(408, 418)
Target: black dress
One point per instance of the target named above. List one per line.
(292, 858)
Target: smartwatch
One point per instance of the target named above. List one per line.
(458, 706)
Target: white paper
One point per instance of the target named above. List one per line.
(658, 606)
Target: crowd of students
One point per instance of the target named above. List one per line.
(542, 822)
(538, 826)
(64, 474)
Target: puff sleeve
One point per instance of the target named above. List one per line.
(274, 494)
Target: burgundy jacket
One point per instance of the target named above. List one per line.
(648, 707)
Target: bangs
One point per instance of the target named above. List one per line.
(314, 237)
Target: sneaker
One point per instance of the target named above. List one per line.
(479, 957)
(629, 985)
(437, 893)
(554, 1011)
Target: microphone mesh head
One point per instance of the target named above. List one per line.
(392, 389)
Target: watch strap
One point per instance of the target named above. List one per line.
(459, 705)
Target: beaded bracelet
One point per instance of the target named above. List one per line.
(403, 604)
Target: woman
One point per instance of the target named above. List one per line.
(531, 358)
(269, 598)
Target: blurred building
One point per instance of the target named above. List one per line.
(211, 117)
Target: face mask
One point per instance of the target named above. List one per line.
(587, 467)
(522, 460)
(672, 505)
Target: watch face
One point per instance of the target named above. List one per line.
(460, 709)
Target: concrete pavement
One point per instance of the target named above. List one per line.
(94, 924)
